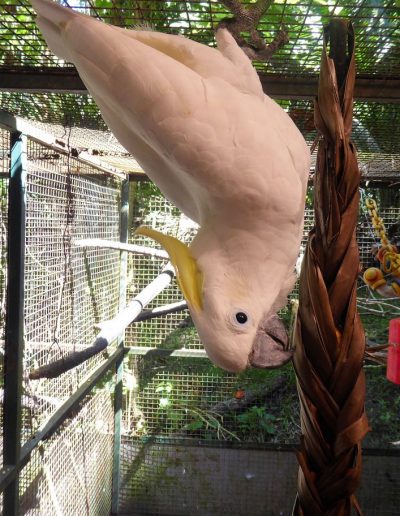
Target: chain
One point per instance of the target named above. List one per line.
(377, 223)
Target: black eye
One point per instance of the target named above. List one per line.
(241, 318)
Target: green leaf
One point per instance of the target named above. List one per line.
(195, 425)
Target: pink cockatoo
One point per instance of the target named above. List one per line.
(228, 156)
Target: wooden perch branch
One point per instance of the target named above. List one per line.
(249, 397)
(161, 310)
(130, 248)
(110, 330)
(54, 369)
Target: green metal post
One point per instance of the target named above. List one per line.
(118, 398)
(14, 345)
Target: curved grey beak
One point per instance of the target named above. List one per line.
(270, 345)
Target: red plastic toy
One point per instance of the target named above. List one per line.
(393, 361)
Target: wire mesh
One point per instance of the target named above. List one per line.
(4, 167)
(176, 331)
(376, 27)
(181, 399)
(185, 398)
(67, 110)
(174, 398)
(152, 209)
(183, 478)
(176, 479)
(71, 472)
(68, 289)
(376, 132)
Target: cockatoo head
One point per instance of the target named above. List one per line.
(238, 335)
(236, 322)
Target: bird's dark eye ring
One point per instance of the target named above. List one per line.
(241, 317)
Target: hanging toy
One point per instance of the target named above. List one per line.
(387, 255)
(393, 360)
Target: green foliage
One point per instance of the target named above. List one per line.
(256, 424)
(382, 407)
(182, 414)
(16, 47)
(211, 425)
(376, 327)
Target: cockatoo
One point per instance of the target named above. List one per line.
(228, 156)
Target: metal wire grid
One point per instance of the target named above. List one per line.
(180, 399)
(366, 237)
(176, 399)
(74, 118)
(376, 26)
(176, 330)
(68, 289)
(4, 167)
(182, 479)
(160, 479)
(71, 472)
(152, 209)
(19, 37)
(67, 110)
(168, 466)
(376, 131)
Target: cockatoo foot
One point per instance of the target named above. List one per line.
(270, 345)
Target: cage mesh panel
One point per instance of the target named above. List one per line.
(23, 46)
(179, 397)
(176, 393)
(4, 164)
(182, 479)
(366, 236)
(152, 209)
(168, 467)
(71, 472)
(376, 132)
(68, 289)
(176, 330)
(374, 309)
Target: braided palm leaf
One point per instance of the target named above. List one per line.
(329, 336)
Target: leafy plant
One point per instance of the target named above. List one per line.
(256, 422)
(211, 423)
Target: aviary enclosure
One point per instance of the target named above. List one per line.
(145, 424)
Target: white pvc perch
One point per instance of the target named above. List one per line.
(113, 328)
(109, 330)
